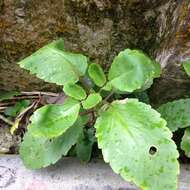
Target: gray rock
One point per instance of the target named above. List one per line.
(7, 141)
(68, 174)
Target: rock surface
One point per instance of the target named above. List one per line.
(97, 28)
(7, 141)
(69, 174)
(174, 48)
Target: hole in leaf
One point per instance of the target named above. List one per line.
(152, 150)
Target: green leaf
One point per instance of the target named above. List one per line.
(52, 64)
(13, 111)
(74, 91)
(53, 120)
(91, 101)
(8, 95)
(84, 145)
(108, 87)
(186, 66)
(38, 152)
(132, 70)
(176, 113)
(96, 73)
(84, 118)
(157, 71)
(138, 145)
(185, 143)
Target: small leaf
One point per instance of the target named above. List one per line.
(84, 146)
(38, 152)
(186, 66)
(53, 120)
(185, 143)
(176, 113)
(132, 70)
(138, 145)
(13, 111)
(107, 87)
(52, 64)
(91, 101)
(96, 73)
(74, 91)
(8, 95)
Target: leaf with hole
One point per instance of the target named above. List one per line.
(185, 143)
(96, 73)
(132, 70)
(52, 64)
(136, 142)
(186, 66)
(91, 101)
(38, 152)
(176, 113)
(74, 91)
(53, 120)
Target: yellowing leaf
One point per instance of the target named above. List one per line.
(15, 126)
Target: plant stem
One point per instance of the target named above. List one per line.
(86, 112)
(40, 93)
(108, 96)
(85, 84)
(6, 120)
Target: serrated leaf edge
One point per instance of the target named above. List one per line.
(132, 180)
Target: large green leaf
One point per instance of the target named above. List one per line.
(132, 70)
(74, 91)
(176, 113)
(91, 101)
(53, 120)
(137, 144)
(185, 143)
(96, 73)
(38, 152)
(52, 64)
(186, 66)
